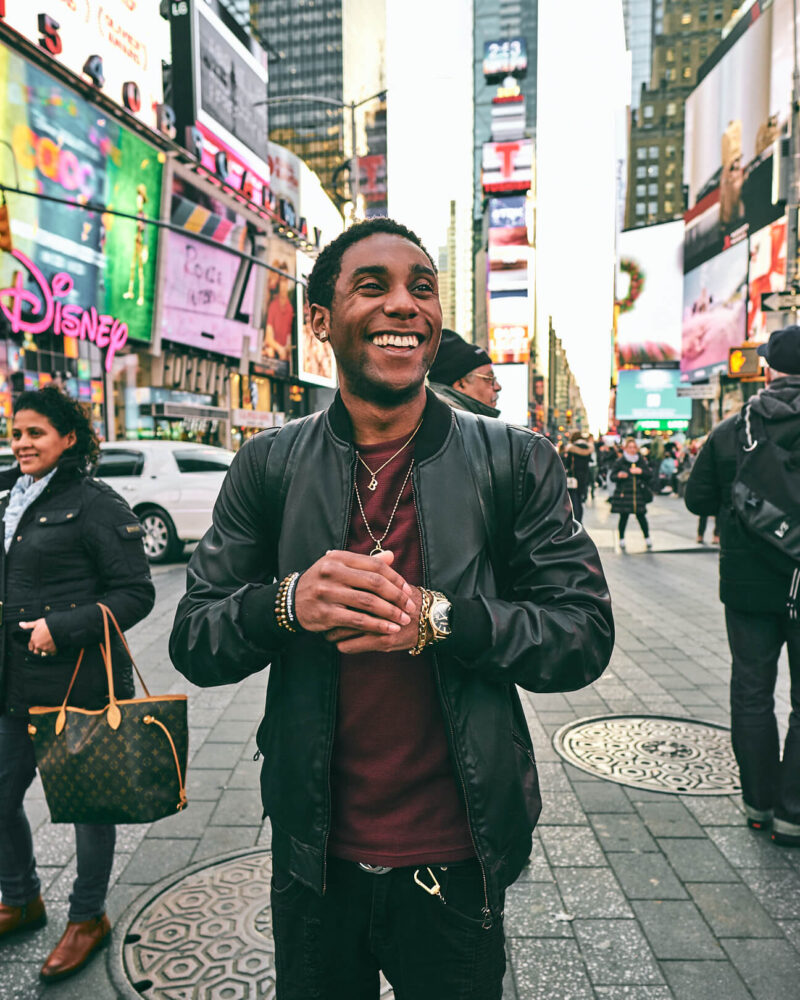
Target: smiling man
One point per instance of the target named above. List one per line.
(357, 551)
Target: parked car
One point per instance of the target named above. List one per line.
(171, 486)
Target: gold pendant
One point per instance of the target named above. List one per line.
(373, 484)
(378, 548)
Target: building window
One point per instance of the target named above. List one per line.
(653, 170)
(641, 172)
(686, 17)
(672, 109)
(640, 208)
(652, 189)
(641, 153)
(652, 208)
(669, 75)
(669, 150)
(718, 13)
(653, 151)
(669, 187)
(669, 207)
(670, 55)
(670, 170)
(687, 72)
(641, 190)
(648, 110)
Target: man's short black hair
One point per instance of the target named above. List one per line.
(323, 277)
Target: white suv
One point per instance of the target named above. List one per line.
(171, 486)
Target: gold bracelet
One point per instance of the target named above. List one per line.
(282, 612)
(422, 634)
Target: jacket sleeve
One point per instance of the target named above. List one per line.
(554, 630)
(224, 626)
(703, 492)
(112, 536)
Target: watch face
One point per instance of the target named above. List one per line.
(440, 616)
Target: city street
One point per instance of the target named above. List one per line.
(629, 894)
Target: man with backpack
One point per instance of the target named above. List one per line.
(748, 474)
(402, 566)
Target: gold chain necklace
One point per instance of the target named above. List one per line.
(378, 546)
(373, 483)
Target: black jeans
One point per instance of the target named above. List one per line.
(641, 517)
(768, 782)
(332, 947)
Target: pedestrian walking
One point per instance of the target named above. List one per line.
(576, 458)
(403, 566)
(759, 584)
(462, 375)
(69, 542)
(631, 476)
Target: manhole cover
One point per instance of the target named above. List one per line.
(660, 753)
(204, 934)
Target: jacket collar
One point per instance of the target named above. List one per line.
(462, 401)
(437, 420)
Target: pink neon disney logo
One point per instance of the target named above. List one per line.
(63, 318)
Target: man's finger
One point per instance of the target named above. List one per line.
(27, 624)
(370, 580)
(374, 566)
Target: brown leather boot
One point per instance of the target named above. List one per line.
(22, 918)
(78, 943)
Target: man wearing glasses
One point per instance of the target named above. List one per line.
(462, 376)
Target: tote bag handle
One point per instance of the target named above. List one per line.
(113, 715)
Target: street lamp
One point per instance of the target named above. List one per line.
(355, 173)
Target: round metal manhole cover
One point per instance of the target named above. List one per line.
(204, 934)
(659, 753)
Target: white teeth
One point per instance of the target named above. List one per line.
(395, 340)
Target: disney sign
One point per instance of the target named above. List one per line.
(63, 318)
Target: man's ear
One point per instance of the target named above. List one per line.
(320, 322)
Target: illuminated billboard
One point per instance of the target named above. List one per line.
(714, 312)
(122, 42)
(651, 394)
(649, 295)
(505, 57)
(735, 119)
(767, 273)
(315, 361)
(507, 166)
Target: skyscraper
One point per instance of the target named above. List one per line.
(326, 51)
(643, 20)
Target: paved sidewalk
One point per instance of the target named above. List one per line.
(630, 895)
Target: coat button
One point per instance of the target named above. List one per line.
(73, 605)
(47, 607)
(19, 538)
(42, 520)
(69, 516)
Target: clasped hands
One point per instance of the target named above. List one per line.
(359, 603)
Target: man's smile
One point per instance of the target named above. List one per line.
(396, 343)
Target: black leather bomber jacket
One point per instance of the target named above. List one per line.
(550, 629)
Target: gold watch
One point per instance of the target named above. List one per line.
(438, 616)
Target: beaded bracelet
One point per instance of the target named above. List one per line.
(286, 619)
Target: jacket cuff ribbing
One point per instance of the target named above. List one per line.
(257, 616)
(471, 628)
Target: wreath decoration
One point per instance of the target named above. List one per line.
(634, 272)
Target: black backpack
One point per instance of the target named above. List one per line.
(766, 496)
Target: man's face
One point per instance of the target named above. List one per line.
(385, 320)
(481, 384)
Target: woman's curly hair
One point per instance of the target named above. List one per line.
(65, 414)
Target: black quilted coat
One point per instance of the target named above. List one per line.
(77, 544)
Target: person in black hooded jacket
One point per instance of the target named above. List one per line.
(755, 588)
(70, 542)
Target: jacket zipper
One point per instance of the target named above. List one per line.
(486, 911)
(333, 726)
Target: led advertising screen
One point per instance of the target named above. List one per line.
(714, 312)
(130, 37)
(66, 149)
(649, 295)
(651, 394)
(280, 310)
(735, 118)
(767, 273)
(505, 57)
(315, 362)
(507, 166)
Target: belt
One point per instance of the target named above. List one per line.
(374, 869)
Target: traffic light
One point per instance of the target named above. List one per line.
(744, 361)
(5, 228)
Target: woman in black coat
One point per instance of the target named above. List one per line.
(631, 476)
(70, 542)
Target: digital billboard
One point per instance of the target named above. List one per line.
(279, 309)
(507, 166)
(315, 361)
(735, 119)
(651, 394)
(505, 57)
(767, 273)
(67, 149)
(649, 295)
(129, 37)
(714, 312)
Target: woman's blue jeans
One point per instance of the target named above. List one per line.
(19, 882)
